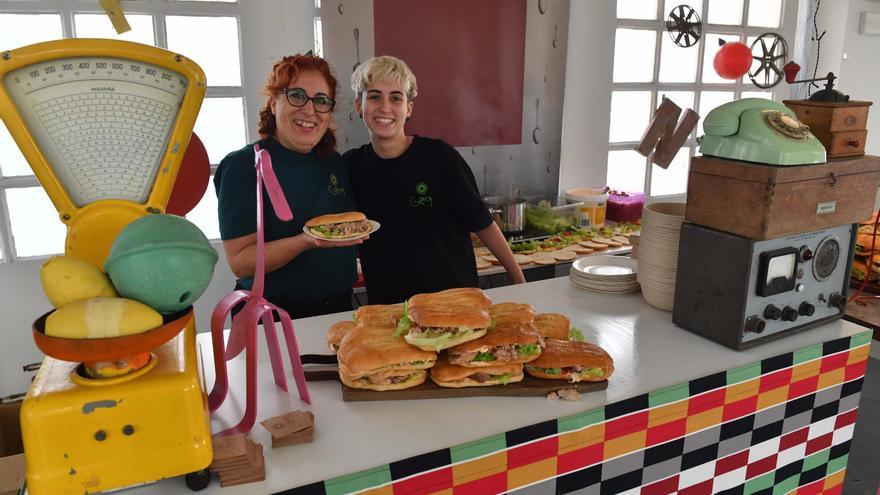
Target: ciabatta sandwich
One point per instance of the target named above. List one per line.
(510, 312)
(436, 328)
(374, 358)
(339, 225)
(337, 331)
(449, 375)
(379, 315)
(572, 361)
(444, 319)
(552, 325)
(469, 297)
(504, 344)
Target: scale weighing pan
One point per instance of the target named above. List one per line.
(109, 349)
(104, 125)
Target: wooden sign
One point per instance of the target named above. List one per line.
(662, 138)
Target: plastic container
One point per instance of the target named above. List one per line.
(594, 203)
(625, 206)
(551, 215)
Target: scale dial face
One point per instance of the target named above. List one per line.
(103, 123)
(827, 255)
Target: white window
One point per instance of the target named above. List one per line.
(206, 31)
(649, 65)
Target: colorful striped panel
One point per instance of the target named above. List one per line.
(779, 426)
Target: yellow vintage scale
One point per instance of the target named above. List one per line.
(104, 125)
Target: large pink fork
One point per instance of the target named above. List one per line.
(244, 324)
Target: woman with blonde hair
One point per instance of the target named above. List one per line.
(422, 192)
(295, 128)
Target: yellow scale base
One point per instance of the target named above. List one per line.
(86, 436)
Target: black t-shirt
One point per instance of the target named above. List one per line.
(427, 203)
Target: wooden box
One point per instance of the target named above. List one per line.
(841, 127)
(764, 201)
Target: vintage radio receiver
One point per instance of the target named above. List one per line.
(740, 292)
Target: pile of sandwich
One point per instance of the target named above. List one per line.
(460, 339)
(866, 260)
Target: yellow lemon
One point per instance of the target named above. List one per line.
(100, 318)
(67, 279)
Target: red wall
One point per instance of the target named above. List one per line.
(468, 58)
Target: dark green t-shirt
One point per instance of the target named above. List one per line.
(313, 187)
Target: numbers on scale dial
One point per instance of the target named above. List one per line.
(105, 121)
(122, 70)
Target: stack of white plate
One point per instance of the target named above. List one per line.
(605, 274)
(658, 252)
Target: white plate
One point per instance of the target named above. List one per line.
(606, 267)
(374, 226)
(604, 289)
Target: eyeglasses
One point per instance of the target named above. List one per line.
(298, 98)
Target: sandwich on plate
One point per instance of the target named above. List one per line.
(444, 319)
(379, 315)
(572, 361)
(510, 312)
(339, 225)
(337, 331)
(450, 375)
(552, 325)
(374, 358)
(504, 344)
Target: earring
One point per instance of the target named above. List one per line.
(361, 115)
(408, 117)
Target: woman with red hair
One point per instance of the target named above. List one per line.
(296, 128)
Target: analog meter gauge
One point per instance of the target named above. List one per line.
(104, 125)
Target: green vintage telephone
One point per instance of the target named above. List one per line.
(759, 130)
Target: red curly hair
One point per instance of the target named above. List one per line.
(285, 71)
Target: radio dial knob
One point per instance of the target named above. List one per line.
(789, 314)
(755, 324)
(837, 300)
(806, 254)
(806, 309)
(771, 312)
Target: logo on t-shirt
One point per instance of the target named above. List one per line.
(334, 187)
(421, 198)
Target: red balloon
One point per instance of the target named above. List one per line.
(732, 60)
(192, 179)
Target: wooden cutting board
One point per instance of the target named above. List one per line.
(528, 387)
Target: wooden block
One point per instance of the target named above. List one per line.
(254, 468)
(664, 117)
(302, 436)
(229, 448)
(665, 134)
(289, 423)
(256, 472)
(673, 140)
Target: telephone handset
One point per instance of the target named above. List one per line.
(759, 130)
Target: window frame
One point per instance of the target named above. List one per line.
(158, 10)
(786, 28)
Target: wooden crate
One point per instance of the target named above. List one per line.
(841, 127)
(765, 201)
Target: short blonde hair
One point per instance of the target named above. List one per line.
(384, 68)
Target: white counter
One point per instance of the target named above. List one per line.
(649, 352)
